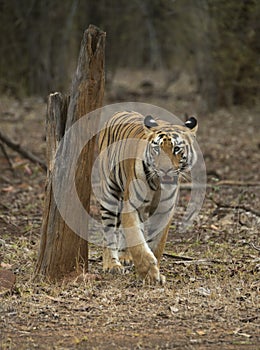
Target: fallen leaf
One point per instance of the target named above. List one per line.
(6, 266)
(8, 189)
(27, 169)
(201, 332)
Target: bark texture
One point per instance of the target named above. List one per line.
(61, 250)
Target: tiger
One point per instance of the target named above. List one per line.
(142, 159)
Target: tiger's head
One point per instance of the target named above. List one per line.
(170, 149)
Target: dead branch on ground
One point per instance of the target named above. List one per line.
(19, 149)
(235, 206)
(235, 183)
(6, 156)
(189, 260)
(255, 247)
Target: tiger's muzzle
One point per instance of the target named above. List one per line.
(169, 176)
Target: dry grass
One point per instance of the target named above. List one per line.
(203, 303)
(210, 301)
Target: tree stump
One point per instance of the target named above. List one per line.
(62, 251)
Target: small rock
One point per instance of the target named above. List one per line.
(173, 309)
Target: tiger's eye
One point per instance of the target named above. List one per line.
(176, 149)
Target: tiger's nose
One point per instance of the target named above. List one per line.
(168, 172)
(168, 176)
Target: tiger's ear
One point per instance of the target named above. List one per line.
(192, 124)
(149, 122)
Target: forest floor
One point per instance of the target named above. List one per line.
(211, 299)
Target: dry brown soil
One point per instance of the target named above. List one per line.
(210, 301)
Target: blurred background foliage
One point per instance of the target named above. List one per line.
(216, 41)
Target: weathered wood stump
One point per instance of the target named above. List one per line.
(62, 251)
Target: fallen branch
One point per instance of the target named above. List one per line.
(236, 206)
(188, 260)
(6, 156)
(19, 149)
(255, 247)
(189, 185)
(236, 183)
(178, 257)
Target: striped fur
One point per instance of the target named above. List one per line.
(141, 161)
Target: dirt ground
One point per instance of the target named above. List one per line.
(211, 299)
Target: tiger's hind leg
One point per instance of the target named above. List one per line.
(124, 255)
(159, 248)
(111, 262)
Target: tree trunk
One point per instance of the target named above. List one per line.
(155, 52)
(61, 250)
(205, 64)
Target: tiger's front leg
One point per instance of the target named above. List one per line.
(143, 258)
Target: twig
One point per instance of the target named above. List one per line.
(255, 247)
(19, 149)
(236, 183)
(186, 259)
(178, 257)
(189, 186)
(242, 207)
(238, 207)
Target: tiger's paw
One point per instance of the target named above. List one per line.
(114, 267)
(153, 276)
(152, 280)
(125, 258)
(148, 270)
(111, 263)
